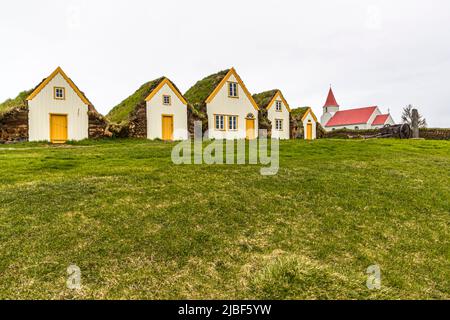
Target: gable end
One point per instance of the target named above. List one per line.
(68, 80)
(241, 83)
(171, 86)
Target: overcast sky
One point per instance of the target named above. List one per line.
(386, 53)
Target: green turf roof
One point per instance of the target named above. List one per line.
(263, 99)
(299, 112)
(19, 102)
(198, 93)
(120, 113)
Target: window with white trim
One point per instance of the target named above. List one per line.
(278, 124)
(233, 89)
(59, 93)
(166, 100)
(220, 122)
(278, 106)
(232, 123)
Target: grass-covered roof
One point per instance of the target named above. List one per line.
(18, 102)
(299, 112)
(120, 113)
(263, 99)
(200, 91)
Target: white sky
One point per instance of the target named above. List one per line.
(388, 53)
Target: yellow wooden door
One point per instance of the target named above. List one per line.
(58, 128)
(167, 127)
(309, 131)
(250, 128)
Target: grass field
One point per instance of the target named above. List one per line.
(139, 226)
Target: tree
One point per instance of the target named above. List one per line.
(407, 117)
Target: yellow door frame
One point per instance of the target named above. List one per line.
(162, 126)
(66, 129)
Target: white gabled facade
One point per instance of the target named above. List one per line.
(309, 119)
(278, 112)
(157, 108)
(233, 114)
(43, 103)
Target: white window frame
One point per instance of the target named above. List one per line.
(62, 90)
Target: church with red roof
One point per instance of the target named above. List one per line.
(356, 119)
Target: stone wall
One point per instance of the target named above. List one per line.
(426, 133)
(98, 125)
(435, 133)
(137, 127)
(197, 113)
(349, 134)
(14, 125)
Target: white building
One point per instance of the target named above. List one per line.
(354, 119)
(278, 112)
(157, 110)
(58, 110)
(166, 113)
(303, 124)
(232, 113)
(310, 125)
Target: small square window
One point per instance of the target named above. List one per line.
(166, 100)
(278, 106)
(232, 89)
(59, 93)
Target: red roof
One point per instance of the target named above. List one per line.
(380, 120)
(352, 116)
(331, 100)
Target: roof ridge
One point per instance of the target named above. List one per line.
(358, 108)
(351, 116)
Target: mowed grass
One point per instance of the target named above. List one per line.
(140, 227)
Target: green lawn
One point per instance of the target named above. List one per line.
(139, 226)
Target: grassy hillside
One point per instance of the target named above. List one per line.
(140, 227)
